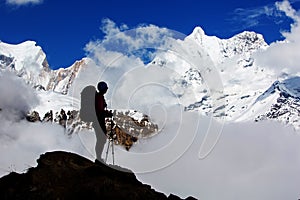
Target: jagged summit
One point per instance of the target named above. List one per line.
(243, 43)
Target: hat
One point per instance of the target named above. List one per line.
(102, 86)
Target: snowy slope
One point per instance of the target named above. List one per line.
(24, 54)
(27, 60)
(286, 102)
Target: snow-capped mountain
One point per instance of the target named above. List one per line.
(243, 44)
(27, 60)
(242, 80)
(244, 83)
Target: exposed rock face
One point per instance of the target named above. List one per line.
(6, 61)
(33, 117)
(286, 109)
(62, 175)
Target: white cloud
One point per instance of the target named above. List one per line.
(251, 17)
(23, 2)
(286, 7)
(283, 56)
(123, 41)
(245, 18)
(18, 97)
(22, 142)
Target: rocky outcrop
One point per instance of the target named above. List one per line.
(127, 127)
(62, 175)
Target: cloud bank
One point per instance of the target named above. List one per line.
(251, 161)
(19, 97)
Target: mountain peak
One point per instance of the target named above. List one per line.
(251, 37)
(27, 60)
(243, 43)
(198, 30)
(200, 37)
(24, 55)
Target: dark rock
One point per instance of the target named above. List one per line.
(33, 117)
(48, 117)
(39, 87)
(62, 175)
(6, 61)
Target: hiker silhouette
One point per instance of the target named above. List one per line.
(88, 114)
(100, 105)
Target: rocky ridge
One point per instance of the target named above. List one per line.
(62, 175)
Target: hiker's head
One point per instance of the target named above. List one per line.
(102, 87)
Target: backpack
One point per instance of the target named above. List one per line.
(87, 109)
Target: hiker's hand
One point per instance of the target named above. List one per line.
(109, 113)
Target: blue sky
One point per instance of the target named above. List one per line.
(63, 28)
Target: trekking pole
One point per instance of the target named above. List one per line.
(110, 142)
(113, 152)
(112, 139)
(107, 150)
